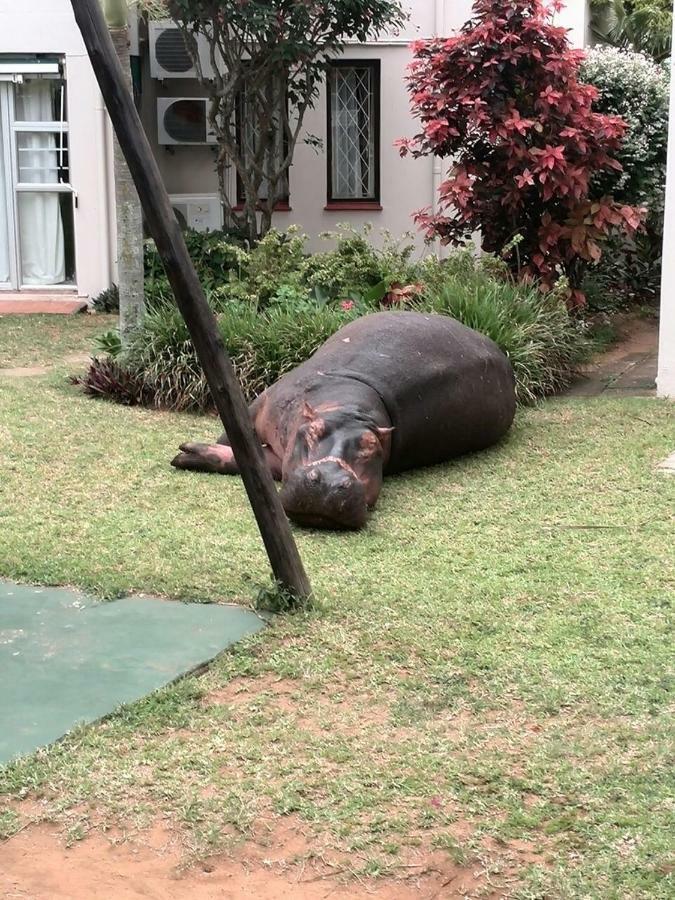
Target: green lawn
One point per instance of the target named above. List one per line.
(487, 674)
(41, 340)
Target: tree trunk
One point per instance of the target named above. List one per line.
(129, 219)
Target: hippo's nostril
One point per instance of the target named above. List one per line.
(314, 475)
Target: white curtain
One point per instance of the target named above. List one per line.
(4, 223)
(43, 259)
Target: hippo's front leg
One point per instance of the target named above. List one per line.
(219, 459)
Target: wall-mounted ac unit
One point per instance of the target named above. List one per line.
(169, 57)
(202, 212)
(184, 120)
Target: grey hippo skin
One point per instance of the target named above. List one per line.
(388, 392)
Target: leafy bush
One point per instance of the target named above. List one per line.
(641, 25)
(219, 258)
(637, 89)
(532, 327)
(503, 99)
(279, 271)
(545, 345)
(107, 301)
(633, 87)
(355, 266)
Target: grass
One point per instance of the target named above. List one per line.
(487, 677)
(40, 340)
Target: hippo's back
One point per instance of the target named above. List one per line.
(448, 389)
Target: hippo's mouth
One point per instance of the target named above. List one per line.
(325, 494)
(312, 520)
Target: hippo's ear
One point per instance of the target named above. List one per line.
(308, 411)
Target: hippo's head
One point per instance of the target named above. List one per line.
(332, 472)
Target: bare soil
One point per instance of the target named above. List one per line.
(36, 864)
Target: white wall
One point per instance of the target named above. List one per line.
(48, 26)
(665, 381)
(406, 185)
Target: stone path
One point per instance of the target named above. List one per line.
(34, 304)
(628, 369)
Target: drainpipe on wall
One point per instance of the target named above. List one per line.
(106, 189)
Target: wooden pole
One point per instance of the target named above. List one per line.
(274, 526)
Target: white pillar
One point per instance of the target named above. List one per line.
(665, 382)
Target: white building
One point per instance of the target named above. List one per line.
(56, 188)
(57, 222)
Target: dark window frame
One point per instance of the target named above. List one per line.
(283, 203)
(375, 65)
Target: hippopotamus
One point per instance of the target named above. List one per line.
(388, 392)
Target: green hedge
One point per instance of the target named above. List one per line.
(160, 368)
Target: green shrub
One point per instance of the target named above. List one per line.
(545, 345)
(637, 89)
(533, 328)
(107, 301)
(262, 345)
(354, 266)
(278, 271)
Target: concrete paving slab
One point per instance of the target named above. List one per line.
(668, 465)
(34, 304)
(67, 659)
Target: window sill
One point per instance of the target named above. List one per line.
(354, 205)
(283, 206)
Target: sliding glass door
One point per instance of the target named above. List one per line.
(38, 233)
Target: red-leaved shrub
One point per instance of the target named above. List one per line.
(503, 100)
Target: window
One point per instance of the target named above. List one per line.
(36, 217)
(247, 136)
(354, 133)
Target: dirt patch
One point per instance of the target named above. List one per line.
(36, 864)
(25, 372)
(634, 335)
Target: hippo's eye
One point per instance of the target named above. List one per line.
(368, 445)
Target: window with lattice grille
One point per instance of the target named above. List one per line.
(353, 131)
(247, 134)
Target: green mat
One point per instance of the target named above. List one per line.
(67, 659)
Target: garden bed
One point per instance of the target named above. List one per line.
(481, 689)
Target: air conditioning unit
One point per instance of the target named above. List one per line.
(184, 120)
(201, 212)
(169, 57)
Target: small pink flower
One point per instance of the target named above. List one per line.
(347, 305)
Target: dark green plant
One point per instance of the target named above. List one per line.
(642, 25)
(263, 346)
(533, 328)
(277, 599)
(109, 343)
(107, 301)
(637, 89)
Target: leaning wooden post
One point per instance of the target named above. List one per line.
(274, 526)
